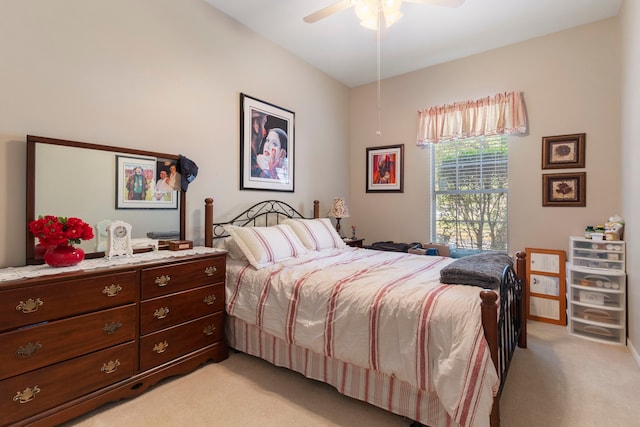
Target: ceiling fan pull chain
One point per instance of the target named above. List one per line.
(379, 131)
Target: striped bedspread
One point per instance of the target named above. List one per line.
(383, 311)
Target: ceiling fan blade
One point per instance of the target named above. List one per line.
(327, 11)
(443, 3)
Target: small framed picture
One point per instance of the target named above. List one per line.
(563, 151)
(146, 183)
(564, 189)
(385, 169)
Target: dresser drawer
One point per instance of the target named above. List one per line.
(23, 350)
(165, 345)
(48, 387)
(162, 312)
(55, 300)
(167, 279)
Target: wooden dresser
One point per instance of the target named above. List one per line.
(72, 341)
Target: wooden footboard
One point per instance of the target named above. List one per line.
(505, 324)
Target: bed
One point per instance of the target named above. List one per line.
(378, 326)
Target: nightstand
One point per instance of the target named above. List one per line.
(354, 243)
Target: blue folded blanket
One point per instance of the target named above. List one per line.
(484, 270)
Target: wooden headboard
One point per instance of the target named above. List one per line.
(265, 213)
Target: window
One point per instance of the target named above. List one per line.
(469, 192)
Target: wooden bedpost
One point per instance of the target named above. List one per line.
(521, 271)
(316, 209)
(208, 222)
(489, 313)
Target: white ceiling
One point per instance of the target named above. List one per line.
(426, 35)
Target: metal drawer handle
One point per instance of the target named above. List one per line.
(112, 328)
(160, 347)
(161, 313)
(30, 306)
(27, 395)
(209, 299)
(210, 271)
(209, 330)
(112, 291)
(28, 350)
(163, 280)
(110, 366)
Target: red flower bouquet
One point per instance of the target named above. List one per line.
(60, 231)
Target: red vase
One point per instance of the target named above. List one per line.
(39, 250)
(63, 256)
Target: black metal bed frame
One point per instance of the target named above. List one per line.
(510, 321)
(268, 212)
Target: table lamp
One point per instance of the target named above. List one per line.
(338, 211)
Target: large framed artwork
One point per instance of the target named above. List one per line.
(385, 169)
(146, 183)
(267, 146)
(564, 189)
(563, 151)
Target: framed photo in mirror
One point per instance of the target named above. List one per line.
(146, 183)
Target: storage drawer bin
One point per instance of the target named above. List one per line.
(597, 315)
(599, 263)
(606, 255)
(596, 298)
(598, 280)
(612, 334)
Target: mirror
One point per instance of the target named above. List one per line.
(83, 180)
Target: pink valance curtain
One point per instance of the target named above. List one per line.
(502, 114)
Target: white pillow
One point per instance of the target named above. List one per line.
(232, 248)
(264, 246)
(316, 234)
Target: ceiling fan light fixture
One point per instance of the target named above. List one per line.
(367, 12)
(392, 18)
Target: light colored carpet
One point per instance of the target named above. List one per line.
(565, 381)
(559, 381)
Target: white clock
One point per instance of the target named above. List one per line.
(118, 239)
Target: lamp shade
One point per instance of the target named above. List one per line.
(339, 208)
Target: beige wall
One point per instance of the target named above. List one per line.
(630, 23)
(580, 80)
(570, 81)
(160, 75)
(166, 76)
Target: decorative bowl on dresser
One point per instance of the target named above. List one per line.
(105, 330)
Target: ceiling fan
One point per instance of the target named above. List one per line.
(377, 15)
(371, 12)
